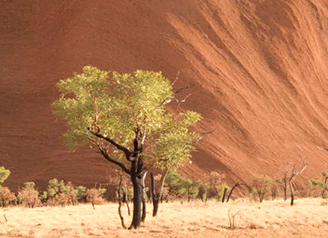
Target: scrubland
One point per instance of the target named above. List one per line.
(308, 218)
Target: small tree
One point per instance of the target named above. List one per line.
(29, 195)
(261, 185)
(124, 118)
(287, 180)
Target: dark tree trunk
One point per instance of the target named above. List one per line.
(224, 194)
(261, 197)
(155, 207)
(137, 200)
(291, 193)
(231, 190)
(285, 189)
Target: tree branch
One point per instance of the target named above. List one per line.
(202, 135)
(126, 151)
(107, 157)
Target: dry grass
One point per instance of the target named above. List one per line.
(308, 218)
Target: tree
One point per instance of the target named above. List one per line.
(287, 178)
(124, 118)
(261, 185)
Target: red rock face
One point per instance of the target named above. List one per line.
(257, 72)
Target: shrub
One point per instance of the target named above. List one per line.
(95, 196)
(59, 193)
(71, 194)
(6, 197)
(29, 195)
(81, 194)
(55, 187)
(181, 186)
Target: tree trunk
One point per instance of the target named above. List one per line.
(143, 216)
(291, 193)
(285, 189)
(137, 200)
(154, 195)
(224, 194)
(119, 189)
(157, 195)
(231, 190)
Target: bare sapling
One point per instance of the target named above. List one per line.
(288, 178)
(232, 217)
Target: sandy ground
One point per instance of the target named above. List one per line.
(308, 218)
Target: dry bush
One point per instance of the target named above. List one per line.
(95, 196)
(71, 194)
(63, 199)
(6, 197)
(29, 195)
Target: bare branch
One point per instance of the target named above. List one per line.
(118, 146)
(182, 89)
(183, 100)
(107, 157)
(176, 78)
(202, 136)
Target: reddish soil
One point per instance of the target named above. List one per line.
(257, 71)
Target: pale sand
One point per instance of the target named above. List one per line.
(308, 218)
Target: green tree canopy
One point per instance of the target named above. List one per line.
(117, 105)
